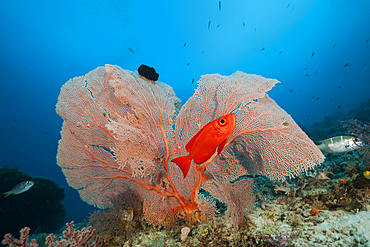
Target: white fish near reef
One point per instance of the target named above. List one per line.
(340, 144)
(20, 188)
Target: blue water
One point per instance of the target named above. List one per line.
(45, 43)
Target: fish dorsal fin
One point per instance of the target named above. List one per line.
(203, 158)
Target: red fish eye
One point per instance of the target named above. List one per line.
(222, 121)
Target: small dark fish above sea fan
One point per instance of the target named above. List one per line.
(346, 65)
(148, 72)
(313, 54)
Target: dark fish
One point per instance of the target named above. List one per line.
(219, 6)
(287, 6)
(367, 41)
(209, 24)
(184, 44)
(339, 86)
(331, 99)
(316, 72)
(306, 74)
(243, 24)
(218, 26)
(132, 50)
(305, 68)
(346, 65)
(317, 98)
(313, 97)
(339, 106)
(187, 64)
(291, 90)
(280, 52)
(148, 72)
(192, 81)
(334, 45)
(263, 48)
(313, 54)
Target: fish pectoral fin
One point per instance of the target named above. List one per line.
(184, 164)
(221, 147)
(200, 159)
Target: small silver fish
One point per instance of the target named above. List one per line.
(340, 144)
(20, 188)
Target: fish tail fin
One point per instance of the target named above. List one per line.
(184, 164)
(6, 194)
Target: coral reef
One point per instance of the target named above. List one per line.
(282, 215)
(71, 237)
(40, 207)
(22, 241)
(121, 131)
(121, 219)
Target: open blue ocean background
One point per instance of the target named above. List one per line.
(318, 50)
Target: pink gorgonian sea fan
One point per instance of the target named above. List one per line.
(121, 131)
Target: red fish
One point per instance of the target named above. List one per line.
(204, 144)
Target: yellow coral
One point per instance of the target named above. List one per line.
(205, 232)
